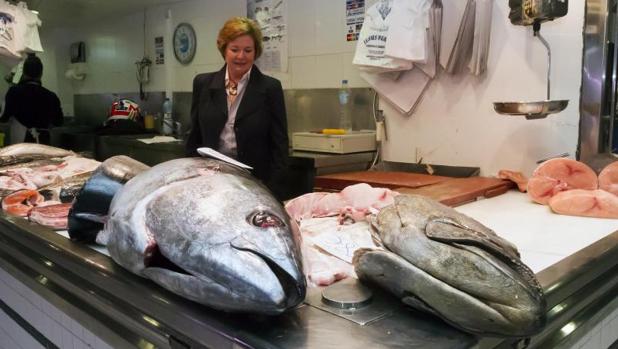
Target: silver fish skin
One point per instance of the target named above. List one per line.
(443, 262)
(32, 164)
(122, 168)
(27, 152)
(226, 242)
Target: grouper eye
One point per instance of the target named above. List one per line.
(265, 219)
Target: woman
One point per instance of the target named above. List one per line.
(239, 111)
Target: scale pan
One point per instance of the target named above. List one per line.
(531, 110)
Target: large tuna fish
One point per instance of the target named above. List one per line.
(208, 231)
(445, 263)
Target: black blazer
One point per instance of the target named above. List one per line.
(260, 127)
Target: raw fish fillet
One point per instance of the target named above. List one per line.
(53, 216)
(556, 175)
(587, 203)
(608, 178)
(21, 202)
(327, 243)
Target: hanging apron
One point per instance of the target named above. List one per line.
(17, 131)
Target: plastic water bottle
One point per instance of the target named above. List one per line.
(345, 119)
(168, 122)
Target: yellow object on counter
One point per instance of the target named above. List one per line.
(333, 131)
(149, 122)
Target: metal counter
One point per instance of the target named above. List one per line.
(126, 310)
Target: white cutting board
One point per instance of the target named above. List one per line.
(542, 237)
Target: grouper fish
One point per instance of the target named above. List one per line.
(208, 231)
(445, 263)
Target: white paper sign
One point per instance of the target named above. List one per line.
(345, 241)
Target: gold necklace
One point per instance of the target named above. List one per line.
(231, 88)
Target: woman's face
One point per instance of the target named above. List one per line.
(239, 56)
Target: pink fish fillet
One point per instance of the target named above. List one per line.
(608, 178)
(587, 203)
(53, 216)
(557, 175)
(21, 202)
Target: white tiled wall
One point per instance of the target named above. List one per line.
(42, 315)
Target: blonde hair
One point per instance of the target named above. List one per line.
(239, 26)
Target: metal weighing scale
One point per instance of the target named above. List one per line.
(534, 12)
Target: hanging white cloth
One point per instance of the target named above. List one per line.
(482, 35)
(433, 33)
(404, 92)
(471, 47)
(369, 55)
(462, 49)
(18, 33)
(10, 40)
(31, 39)
(407, 32)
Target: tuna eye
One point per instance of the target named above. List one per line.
(266, 220)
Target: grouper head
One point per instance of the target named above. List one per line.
(221, 239)
(445, 263)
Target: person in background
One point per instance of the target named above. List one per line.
(31, 108)
(239, 111)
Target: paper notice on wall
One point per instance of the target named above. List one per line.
(354, 16)
(159, 50)
(271, 15)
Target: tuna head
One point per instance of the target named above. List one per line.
(221, 239)
(448, 264)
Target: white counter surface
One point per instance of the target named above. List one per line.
(542, 237)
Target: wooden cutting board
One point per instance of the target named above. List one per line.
(458, 191)
(385, 179)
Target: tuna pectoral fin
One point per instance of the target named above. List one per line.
(452, 305)
(83, 230)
